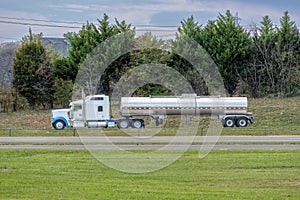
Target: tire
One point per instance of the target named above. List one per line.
(59, 125)
(242, 122)
(137, 124)
(123, 123)
(229, 122)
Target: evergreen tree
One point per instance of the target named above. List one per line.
(152, 51)
(228, 45)
(288, 55)
(90, 36)
(81, 44)
(63, 92)
(33, 77)
(189, 29)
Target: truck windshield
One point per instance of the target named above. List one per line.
(77, 107)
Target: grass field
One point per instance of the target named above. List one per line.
(47, 174)
(273, 116)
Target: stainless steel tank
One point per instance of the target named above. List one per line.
(187, 104)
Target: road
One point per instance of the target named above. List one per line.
(156, 139)
(155, 147)
(154, 143)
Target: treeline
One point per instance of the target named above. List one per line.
(264, 62)
(258, 63)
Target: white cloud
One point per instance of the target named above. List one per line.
(78, 7)
(143, 12)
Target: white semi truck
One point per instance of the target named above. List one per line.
(94, 111)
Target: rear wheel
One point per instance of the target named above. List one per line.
(229, 122)
(241, 122)
(137, 124)
(123, 123)
(59, 125)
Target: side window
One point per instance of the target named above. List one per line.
(97, 99)
(100, 108)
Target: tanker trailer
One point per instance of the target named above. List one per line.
(231, 110)
(94, 111)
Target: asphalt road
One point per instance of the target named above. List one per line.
(156, 139)
(155, 143)
(154, 147)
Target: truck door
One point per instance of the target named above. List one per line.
(100, 112)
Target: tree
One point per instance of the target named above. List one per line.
(153, 51)
(62, 69)
(33, 76)
(81, 44)
(260, 74)
(228, 45)
(274, 64)
(288, 55)
(90, 36)
(189, 28)
(45, 80)
(63, 92)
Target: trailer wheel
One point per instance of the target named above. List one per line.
(59, 125)
(229, 122)
(137, 124)
(241, 122)
(123, 123)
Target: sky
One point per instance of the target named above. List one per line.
(54, 18)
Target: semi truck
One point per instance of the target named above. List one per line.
(94, 111)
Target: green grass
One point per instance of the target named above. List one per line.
(37, 132)
(273, 116)
(148, 143)
(49, 174)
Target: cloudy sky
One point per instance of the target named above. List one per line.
(163, 16)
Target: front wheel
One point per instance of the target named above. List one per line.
(59, 125)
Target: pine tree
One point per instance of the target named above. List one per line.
(189, 29)
(288, 51)
(33, 76)
(227, 43)
(89, 37)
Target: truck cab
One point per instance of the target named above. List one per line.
(93, 112)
